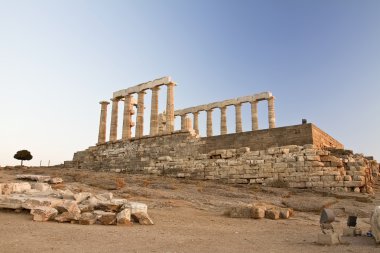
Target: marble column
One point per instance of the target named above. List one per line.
(209, 122)
(254, 116)
(140, 115)
(103, 122)
(195, 123)
(114, 119)
(271, 113)
(154, 112)
(239, 128)
(170, 108)
(127, 118)
(183, 119)
(223, 120)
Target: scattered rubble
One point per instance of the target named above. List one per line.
(259, 211)
(83, 208)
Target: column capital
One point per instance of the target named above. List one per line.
(156, 88)
(104, 102)
(171, 84)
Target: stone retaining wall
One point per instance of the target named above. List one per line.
(181, 155)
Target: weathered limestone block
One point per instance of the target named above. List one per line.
(258, 212)
(142, 218)
(136, 207)
(43, 213)
(105, 218)
(67, 194)
(38, 178)
(87, 218)
(34, 202)
(81, 196)
(165, 158)
(104, 196)
(11, 202)
(272, 214)
(68, 216)
(67, 206)
(124, 217)
(9, 188)
(286, 213)
(240, 212)
(375, 224)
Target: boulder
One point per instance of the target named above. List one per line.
(136, 207)
(43, 213)
(67, 206)
(105, 218)
(79, 197)
(142, 218)
(124, 217)
(240, 212)
(375, 224)
(67, 217)
(87, 218)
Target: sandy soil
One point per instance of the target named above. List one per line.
(188, 215)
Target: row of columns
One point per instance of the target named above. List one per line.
(238, 119)
(129, 111)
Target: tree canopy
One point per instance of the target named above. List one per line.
(23, 155)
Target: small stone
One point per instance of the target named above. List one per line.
(124, 217)
(142, 218)
(104, 196)
(357, 189)
(87, 219)
(286, 213)
(258, 212)
(272, 214)
(43, 213)
(85, 208)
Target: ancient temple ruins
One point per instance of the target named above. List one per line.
(302, 156)
(164, 123)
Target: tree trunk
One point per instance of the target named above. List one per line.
(21, 162)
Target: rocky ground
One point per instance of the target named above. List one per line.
(189, 216)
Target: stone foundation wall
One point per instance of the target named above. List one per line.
(182, 155)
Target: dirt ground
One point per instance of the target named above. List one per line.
(189, 216)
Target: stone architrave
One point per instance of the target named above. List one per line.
(102, 123)
(209, 122)
(223, 120)
(127, 118)
(239, 128)
(271, 113)
(114, 116)
(154, 112)
(170, 108)
(254, 116)
(195, 123)
(140, 115)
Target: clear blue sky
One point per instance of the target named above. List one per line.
(58, 59)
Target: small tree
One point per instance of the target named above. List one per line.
(23, 155)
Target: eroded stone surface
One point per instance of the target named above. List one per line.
(43, 213)
(142, 218)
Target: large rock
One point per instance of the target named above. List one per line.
(67, 206)
(258, 212)
(10, 188)
(68, 217)
(273, 214)
(34, 202)
(11, 202)
(87, 218)
(79, 197)
(105, 218)
(43, 213)
(142, 218)
(309, 204)
(136, 207)
(124, 217)
(240, 212)
(104, 196)
(375, 224)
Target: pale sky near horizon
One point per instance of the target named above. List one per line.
(58, 59)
